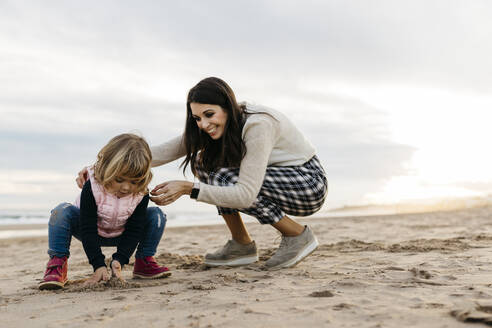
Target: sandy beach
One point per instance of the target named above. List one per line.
(412, 270)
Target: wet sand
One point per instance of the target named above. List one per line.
(411, 270)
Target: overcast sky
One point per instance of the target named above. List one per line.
(395, 95)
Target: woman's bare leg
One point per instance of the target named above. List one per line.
(288, 227)
(238, 230)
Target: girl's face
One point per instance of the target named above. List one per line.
(210, 118)
(122, 187)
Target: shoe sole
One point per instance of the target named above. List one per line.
(234, 262)
(161, 275)
(51, 285)
(301, 256)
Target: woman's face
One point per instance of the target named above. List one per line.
(211, 119)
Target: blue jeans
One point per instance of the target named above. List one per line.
(64, 223)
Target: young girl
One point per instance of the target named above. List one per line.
(111, 211)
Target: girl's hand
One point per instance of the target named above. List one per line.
(167, 192)
(82, 177)
(116, 270)
(101, 273)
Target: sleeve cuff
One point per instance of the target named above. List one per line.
(120, 258)
(99, 263)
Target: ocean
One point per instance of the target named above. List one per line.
(16, 223)
(11, 218)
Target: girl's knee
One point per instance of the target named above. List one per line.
(62, 214)
(156, 217)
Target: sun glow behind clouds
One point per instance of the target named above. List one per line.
(450, 131)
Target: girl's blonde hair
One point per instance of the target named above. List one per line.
(125, 156)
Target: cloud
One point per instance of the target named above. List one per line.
(444, 42)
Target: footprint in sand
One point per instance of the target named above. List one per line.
(420, 273)
(203, 287)
(342, 306)
(324, 293)
(119, 298)
(478, 313)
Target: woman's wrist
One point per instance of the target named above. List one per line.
(187, 187)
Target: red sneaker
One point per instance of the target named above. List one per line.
(147, 268)
(55, 275)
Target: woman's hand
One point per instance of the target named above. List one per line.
(167, 192)
(101, 273)
(116, 270)
(82, 177)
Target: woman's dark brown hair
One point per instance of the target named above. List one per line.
(201, 150)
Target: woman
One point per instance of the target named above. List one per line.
(248, 159)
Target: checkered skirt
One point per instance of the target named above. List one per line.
(294, 190)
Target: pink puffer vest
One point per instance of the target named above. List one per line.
(112, 212)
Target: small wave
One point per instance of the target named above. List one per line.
(9, 219)
(173, 219)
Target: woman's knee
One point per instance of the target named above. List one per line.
(307, 210)
(156, 217)
(63, 214)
